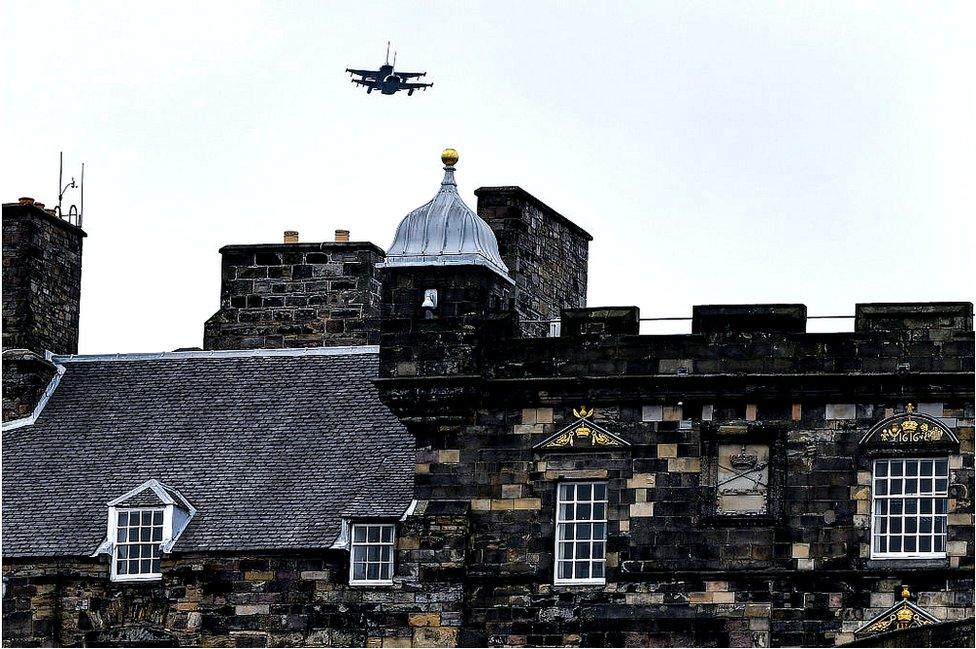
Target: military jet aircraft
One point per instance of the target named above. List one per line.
(386, 80)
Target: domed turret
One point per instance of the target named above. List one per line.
(446, 232)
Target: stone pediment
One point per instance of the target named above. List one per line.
(903, 615)
(582, 433)
(909, 429)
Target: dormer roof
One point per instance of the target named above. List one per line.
(445, 232)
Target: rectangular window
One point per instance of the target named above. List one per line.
(372, 554)
(581, 532)
(909, 512)
(138, 535)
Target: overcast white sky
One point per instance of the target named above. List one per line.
(821, 153)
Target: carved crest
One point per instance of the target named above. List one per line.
(908, 427)
(903, 615)
(582, 433)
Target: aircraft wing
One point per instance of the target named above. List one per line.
(409, 75)
(414, 86)
(369, 83)
(365, 74)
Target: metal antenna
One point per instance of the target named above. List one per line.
(387, 52)
(63, 188)
(394, 58)
(81, 212)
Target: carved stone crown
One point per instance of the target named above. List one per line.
(744, 460)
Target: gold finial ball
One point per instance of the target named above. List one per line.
(449, 157)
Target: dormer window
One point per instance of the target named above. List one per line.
(371, 554)
(138, 536)
(143, 525)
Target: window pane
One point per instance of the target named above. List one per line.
(881, 469)
(373, 534)
(387, 533)
(598, 550)
(147, 518)
(599, 491)
(123, 519)
(359, 534)
(583, 492)
(359, 571)
(157, 517)
(598, 569)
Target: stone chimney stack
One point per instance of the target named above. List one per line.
(41, 299)
(546, 254)
(295, 294)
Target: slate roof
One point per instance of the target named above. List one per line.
(272, 448)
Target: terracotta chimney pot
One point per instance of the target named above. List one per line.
(342, 236)
(291, 236)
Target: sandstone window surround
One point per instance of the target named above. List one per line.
(371, 550)
(581, 533)
(904, 464)
(142, 525)
(910, 500)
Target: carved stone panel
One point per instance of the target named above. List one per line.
(742, 485)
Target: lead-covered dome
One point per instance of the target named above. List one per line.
(445, 232)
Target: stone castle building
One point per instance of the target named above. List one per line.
(441, 444)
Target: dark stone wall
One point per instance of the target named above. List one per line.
(41, 280)
(247, 600)
(296, 295)
(472, 304)
(678, 574)
(546, 254)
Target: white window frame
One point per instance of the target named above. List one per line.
(918, 495)
(557, 580)
(353, 544)
(113, 528)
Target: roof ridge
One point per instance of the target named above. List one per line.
(344, 350)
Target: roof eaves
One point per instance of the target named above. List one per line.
(347, 350)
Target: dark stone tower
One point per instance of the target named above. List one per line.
(41, 299)
(445, 288)
(545, 252)
(295, 294)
